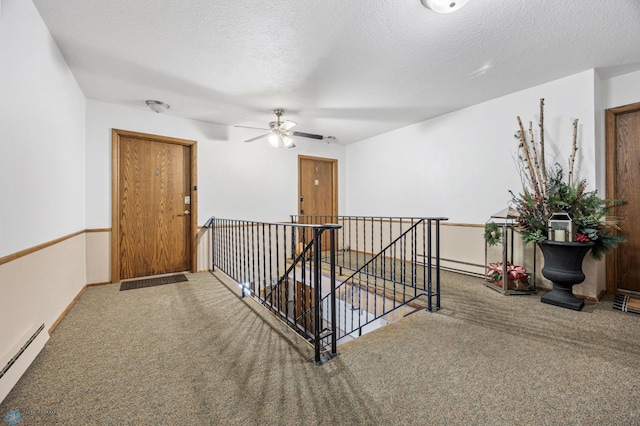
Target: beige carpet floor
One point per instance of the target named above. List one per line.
(195, 353)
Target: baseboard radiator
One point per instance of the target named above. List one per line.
(20, 351)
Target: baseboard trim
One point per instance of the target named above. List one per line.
(99, 284)
(591, 298)
(66, 311)
(73, 302)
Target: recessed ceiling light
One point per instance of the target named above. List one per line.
(444, 6)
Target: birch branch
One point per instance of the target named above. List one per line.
(572, 157)
(543, 167)
(539, 176)
(525, 147)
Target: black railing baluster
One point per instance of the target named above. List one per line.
(429, 288)
(227, 241)
(236, 245)
(231, 253)
(334, 339)
(255, 252)
(225, 251)
(381, 236)
(403, 269)
(262, 285)
(270, 290)
(437, 264)
(317, 300)
(293, 238)
(414, 266)
(289, 288)
(357, 253)
(218, 229)
(424, 254)
(281, 278)
(373, 240)
(245, 258)
(395, 264)
(212, 240)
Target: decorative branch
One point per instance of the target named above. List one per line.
(524, 145)
(543, 167)
(541, 178)
(572, 157)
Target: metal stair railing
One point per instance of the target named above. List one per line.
(406, 269)
(256, 256)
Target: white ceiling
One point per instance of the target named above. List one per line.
(346, 68)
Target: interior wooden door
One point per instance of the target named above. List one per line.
(304, 304)
(317, 192)
(623, 181)
(155, 206)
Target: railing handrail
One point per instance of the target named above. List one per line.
(209, 223)
(374, 218)
(371, 217)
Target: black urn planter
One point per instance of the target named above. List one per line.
(563, 266)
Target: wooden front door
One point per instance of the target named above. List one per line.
(623, 181)
(317, 192)
(154, 205)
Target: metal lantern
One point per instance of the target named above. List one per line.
(506, 254)
(560, 227)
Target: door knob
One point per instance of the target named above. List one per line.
(187, 212)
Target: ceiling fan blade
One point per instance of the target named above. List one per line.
(258, 137)
(307, 135)
(249, 127)
(286, 125)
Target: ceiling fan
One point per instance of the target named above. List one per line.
(280, 132)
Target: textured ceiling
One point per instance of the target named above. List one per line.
(351, 69)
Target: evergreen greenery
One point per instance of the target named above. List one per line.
(545, 192)
(492, 233)
(588, 211)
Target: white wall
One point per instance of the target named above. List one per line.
(461, 165)
(621, 90)
(42, 127)
(235, 179)
(42, 134)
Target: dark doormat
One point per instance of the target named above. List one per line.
(150, 282)
(626, 303)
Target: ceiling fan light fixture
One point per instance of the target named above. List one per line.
(275, 140)
(157, 106)
(288, 142)
(280, 132)
(444, 6)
